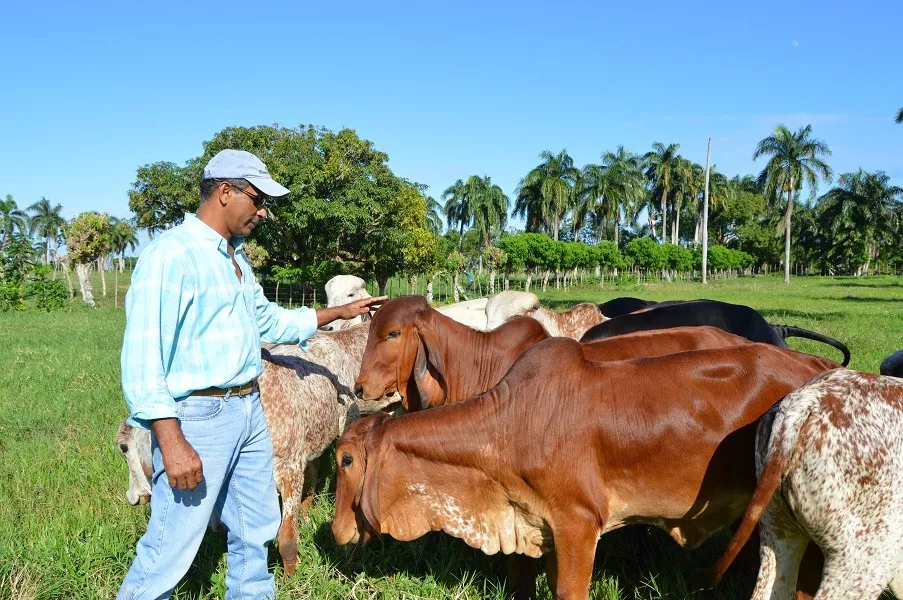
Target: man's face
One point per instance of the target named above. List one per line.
(242, 210)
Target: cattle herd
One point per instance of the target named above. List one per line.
(533, 433)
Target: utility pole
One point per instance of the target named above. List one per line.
(705, 218)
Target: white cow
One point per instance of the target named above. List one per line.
(573, 323)
(343, 289)
(830, 463)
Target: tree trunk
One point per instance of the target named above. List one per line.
(122, 262)
(529, 280)
(460, 236)
(429, 290)
(82, 270)
(664, 217)
(103, 276)
(492, 281)
(617, 225)
(69, 282)
(787, 233)
(115, 288)
(277, 291)
(455, 294)
(651, 221)
(47, 251)
(555, 225)
(381, 282)
(675, 231)
(412, 284)
(545, 280)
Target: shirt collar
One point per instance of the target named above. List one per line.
(208, 234)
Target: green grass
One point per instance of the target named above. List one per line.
(66, 530)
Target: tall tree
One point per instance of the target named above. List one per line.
(624, 185)
(862, 215)
(457, 208)
(662, 164)
(434, 214)
(47, 222)
(122, 238)
(795, 158)
(87, 239)
(11, 218)
(546, 193)
(688, 182)
(488, 206)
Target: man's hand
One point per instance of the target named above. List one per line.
(348, 311)
(180, 461)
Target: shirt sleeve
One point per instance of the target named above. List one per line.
(279, 325)
(159, 295)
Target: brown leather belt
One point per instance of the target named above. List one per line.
(238, 390)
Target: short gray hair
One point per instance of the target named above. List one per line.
(208, 185)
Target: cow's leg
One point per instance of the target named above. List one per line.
(783, 544)
(522, 571)
(290, 486)
(851, 575)
(809, 577)
(308, 489)
(575, 551)
(896, 584)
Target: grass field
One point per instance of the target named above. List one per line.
(66, 530)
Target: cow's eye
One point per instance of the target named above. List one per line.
(346, 461)
(392, 335)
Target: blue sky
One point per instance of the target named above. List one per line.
(446, 89)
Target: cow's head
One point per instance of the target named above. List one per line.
(506, 305)
(343, 289)
(135, 447)
(403, 354)
(356, 502)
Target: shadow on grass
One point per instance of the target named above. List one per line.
(858, 282)
(771, 314)
(636, 561)
(860, 299)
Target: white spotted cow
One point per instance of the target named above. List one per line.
(830, 463)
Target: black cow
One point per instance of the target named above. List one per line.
(892, 366)
(733, 318)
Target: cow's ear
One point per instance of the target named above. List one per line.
(434, 358)
(369, 500)
(429, 388)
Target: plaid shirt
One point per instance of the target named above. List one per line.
(191, 324)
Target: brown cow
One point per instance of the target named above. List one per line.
(432, 360)
(565, 449)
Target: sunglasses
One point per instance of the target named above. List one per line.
(260, 201)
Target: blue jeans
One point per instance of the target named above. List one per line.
(231, 437)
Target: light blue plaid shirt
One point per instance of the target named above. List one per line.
(191, 324)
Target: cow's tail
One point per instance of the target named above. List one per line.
(786, 331)
(790, 415)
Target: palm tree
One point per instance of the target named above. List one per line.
(546, 193)
(591, 199)
(11, 218)
(122, 237)
(488, 207)
(48, 223)
(624, 184)
(433, 215)
(862, 214)
(689, 179)
(662, 163)
(457, 210)
(795, 158)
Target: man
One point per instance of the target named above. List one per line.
(190, 358)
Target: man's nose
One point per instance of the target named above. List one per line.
(359, 391)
